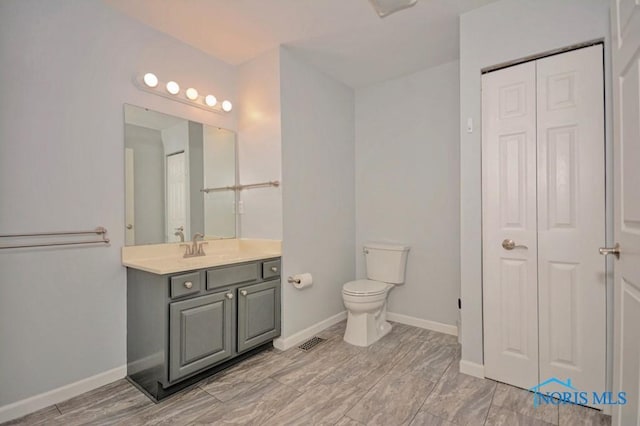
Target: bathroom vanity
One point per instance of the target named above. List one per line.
(188, 318)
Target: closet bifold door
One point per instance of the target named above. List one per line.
(571, 218)
(510, 281)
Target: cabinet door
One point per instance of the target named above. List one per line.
(199, 333)
(258, 314)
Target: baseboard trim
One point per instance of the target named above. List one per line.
(422, 323)
(284, 343)
(472, 369)
(54, 396)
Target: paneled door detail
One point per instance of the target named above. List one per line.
(176, 196)
(571, 219)
(625, 16)
(509, 217)
(543, 169)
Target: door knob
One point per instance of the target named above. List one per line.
(243, 292)
(129, 226)
(615, 250)
(229, 295)
(510, 245)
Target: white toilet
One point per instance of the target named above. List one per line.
(366, 300)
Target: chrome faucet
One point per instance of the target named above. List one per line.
(180, 233)
(194, 249)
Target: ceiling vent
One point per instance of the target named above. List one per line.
(387, 7)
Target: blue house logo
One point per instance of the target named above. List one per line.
(571, 395)
(539, 397)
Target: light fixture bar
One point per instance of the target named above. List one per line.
(172, 90)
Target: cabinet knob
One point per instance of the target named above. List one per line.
(229, 295)
(274, 269)
(188, 284)
(243, 292)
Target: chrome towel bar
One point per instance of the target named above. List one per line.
(98, 231)
(274, 183)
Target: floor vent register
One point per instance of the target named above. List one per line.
(311, 343)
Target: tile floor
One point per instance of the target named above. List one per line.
(410, 377)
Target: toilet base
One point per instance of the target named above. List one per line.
(364, 329)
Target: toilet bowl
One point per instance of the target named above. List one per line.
(366, 300)
(366, 320)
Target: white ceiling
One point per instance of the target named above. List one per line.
(344, 38)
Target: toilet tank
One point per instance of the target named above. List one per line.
(386, 262)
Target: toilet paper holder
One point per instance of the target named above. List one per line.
(292, 280)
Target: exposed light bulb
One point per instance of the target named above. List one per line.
(173, 87)
(150, 79)
(192, 93)
(210, 100)
(227, 106)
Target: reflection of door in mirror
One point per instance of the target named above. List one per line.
(130, 238)
(176, 195)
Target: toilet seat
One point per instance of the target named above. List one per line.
(365, 288)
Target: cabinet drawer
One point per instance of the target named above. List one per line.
(236, 274)
(271, 269)
(182, 285)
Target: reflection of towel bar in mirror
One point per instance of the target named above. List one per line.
(274, 183)
(99, 231)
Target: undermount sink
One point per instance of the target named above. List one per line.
(169, 258)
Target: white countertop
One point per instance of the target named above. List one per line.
(168, 258)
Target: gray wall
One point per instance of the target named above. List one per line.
(67, 69)
(500, 32)
(148, 178)
(407, 185)
(317, 191)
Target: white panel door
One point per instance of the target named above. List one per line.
(571, 219)
(510, 282)
(129, 202)
(626, 81)
(176, 202)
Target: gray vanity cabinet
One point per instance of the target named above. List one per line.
(199, 333)
(258, 314)
(186, 326)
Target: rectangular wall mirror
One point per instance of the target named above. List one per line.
(168, 162)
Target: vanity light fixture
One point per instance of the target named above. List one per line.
(149, 82)
(150, 79)
(173, 88)
(191, 94)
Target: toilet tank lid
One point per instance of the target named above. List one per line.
(386, 246)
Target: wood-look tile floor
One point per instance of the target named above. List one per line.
(410, 377)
